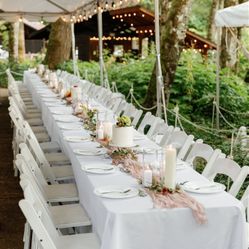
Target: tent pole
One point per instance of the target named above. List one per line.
(159, 77)
(100, 33)
(218, 79)
(75, 67)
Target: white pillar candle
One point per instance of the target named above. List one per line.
(76, 93)
(170, 167)
(107, 130)
(100, 132)
(147, 178)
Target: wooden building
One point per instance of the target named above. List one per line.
(125, 30)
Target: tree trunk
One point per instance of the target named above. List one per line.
(228, 48)
(173, 21)
(16, 34)
(10, 28)
(211, 24)
(59, 44)
(21, 43)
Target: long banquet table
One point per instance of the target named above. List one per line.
(134, 223)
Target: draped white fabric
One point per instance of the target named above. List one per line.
(34, 9)
(235, 16)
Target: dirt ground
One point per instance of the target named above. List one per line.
(11, 218)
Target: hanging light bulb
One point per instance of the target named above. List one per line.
(113, 5)
(120, 2)
(106, 5)
(64, 19)
(42, 20)
(20, 19)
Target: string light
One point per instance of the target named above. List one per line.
(42, 20)
(20, 19)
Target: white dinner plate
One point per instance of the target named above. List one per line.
(59, 112)
(88, 152)
(65, 119)
(98, 168)
(47, 96)
(50, 100)
(116, 192)
(70, 127)
(201, 187)
(77, 139)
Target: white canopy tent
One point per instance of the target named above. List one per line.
(32, 10)
(235, 16)
(231, 17)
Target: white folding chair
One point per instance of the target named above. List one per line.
(148, 124)
(39, 133)
(63, 216)
(132, 112)
(229, 168)
(53, 193)
(199, 150)
(53, 158)
(52, 174)
(181, 141)
(46, 233)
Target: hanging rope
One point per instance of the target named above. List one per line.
(234, 113)
(226, 121)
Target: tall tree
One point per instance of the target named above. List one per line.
(21, 42)
(228, 48)
(173, 21)
(211, 25)
(59, 44)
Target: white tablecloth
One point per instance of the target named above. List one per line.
(134, 223)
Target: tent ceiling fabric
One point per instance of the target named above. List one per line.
(235, 16)
(33, 10)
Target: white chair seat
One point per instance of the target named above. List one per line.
(35, 121)
(29, 115)
(31, 106)
(61, 192)
(37, 129)
(49, 147)
(78, 241)
(72, 215)
(42, 137)
(62, 172)
(57, 158)
(36, 111)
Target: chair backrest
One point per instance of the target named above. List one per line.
(238, 183)
(201, 150)
(25, 170)
(123, 105)
(166, 133)
(39, 224)
(181, 141)
(45, 169)
(31, 169)
(35, 147)
(155, 121)
(34, 195)
(145, 122)
(133, 113)
(226, 167)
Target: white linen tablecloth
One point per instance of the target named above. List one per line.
(134, 223)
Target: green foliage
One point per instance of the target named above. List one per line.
(123, 121)
(17, 68)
